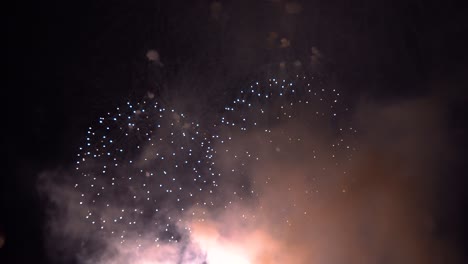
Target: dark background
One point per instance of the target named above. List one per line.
(69, 61)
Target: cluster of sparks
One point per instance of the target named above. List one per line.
(267, 108)
(145, 166)
(136, 162)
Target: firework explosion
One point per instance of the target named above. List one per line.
(279, 176)
(235, 132)
(149, 177)
(138, 162)
(266, 107)
(273, 118)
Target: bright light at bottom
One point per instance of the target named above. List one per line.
(219, 250)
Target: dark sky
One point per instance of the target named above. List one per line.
(68, 61)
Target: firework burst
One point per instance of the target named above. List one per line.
(137, 163)
(276, 118)
(149, 177)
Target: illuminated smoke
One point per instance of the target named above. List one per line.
(153, 55)
(287, 174)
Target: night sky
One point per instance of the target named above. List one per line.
(400, 67)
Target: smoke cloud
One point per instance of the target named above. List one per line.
(371, 202)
